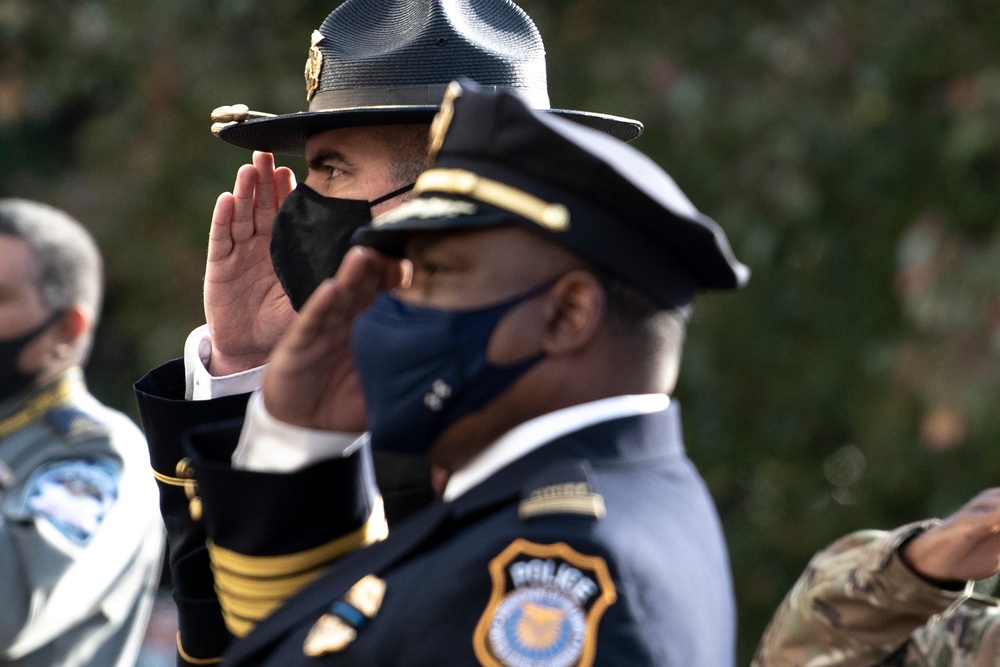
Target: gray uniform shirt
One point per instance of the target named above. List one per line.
(81, 537)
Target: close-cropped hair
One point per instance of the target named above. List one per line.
(67, 263)
(657, 332)
(409, 149)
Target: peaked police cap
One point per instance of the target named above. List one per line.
(498, 161)
(381, 62)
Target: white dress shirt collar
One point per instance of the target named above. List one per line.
(532, 434)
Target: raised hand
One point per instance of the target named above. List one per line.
(245, 307)
(310, 380)
(965, 546)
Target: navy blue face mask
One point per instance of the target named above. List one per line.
(421, 369)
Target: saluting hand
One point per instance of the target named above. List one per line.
(310, 379)
(246, 309)
(965, 546)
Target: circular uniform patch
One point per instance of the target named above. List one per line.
(546, 604)
(538, 626)
(73, 495)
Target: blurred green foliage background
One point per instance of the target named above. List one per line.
(851, 150)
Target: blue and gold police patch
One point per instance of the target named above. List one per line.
(546, 603)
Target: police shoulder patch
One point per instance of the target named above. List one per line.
(546, 603)
(73, 496)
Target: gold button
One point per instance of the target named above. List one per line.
(185, 469)
(195, 508)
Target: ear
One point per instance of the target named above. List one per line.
(71, 328)
(576, 313)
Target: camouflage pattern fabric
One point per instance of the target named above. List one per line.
(857, 604)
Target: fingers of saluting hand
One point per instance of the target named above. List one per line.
(310, 380)
(331, 309)
(259, 191)
(982, 513)
(243, 202)
(220, 239)
(256, 197)
(273, 185)
(284, 183)
(264, 198)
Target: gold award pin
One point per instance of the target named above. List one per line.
(332, 633)
(314, 65)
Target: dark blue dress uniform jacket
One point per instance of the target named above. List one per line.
(166, 416)
(658, 542)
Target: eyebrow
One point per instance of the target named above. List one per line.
(324, 157)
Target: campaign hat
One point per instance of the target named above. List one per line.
(497, 161)
(382, 62)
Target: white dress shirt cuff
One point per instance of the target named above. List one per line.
(199, 384)
(268, 445)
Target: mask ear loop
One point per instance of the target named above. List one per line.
(43, 327)
(394, 193)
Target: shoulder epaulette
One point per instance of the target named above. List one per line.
(73, 424)
(565, 487)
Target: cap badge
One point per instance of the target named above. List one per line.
(337, 628)
(432, 207)
(439, 126)
(314, 65)
(546, 603)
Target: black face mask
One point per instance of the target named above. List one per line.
(12, 379)
(311, 235)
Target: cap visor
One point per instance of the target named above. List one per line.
(286, 134)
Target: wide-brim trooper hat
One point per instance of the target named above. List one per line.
(381, 62)
(498, 161)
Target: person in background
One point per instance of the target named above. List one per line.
(81, 538)
(921, 594)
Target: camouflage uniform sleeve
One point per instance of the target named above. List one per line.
(968, 637)
(858, 604)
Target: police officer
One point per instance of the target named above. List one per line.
(528, 350)
(375, 74)
(80, 534)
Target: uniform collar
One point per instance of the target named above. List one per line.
(534, 433)
(26, 409)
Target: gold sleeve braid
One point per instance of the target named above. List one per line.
(192, 660)
(251, 587)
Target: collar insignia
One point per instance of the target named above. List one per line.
(40, 404)
(337, 628)
(314, 65)
(546, 603)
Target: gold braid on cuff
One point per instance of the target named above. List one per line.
(193, 660)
